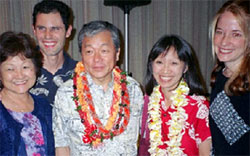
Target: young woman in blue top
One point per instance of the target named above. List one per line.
(25, 120)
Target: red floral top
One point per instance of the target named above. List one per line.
(197, 127)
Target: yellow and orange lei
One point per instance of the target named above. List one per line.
(177, 121)
(95, 131)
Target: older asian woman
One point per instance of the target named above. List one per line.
(25, 119)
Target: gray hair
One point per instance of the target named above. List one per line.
(95, 27)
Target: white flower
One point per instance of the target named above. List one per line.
(177, 121)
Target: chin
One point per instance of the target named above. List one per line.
(223, 59)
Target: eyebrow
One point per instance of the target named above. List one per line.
(42, 26)
(89, 45)
(234, 30)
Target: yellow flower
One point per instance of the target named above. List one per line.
(177, 121)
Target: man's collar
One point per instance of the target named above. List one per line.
(91, 83)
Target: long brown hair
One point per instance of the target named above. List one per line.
(239, 82)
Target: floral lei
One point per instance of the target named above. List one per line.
(177, 121)
(95, 132)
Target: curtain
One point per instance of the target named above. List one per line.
(187, 18)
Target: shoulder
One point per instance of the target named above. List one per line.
(63, 97)
(198, 99)
(40, 99)
(199, 105)
(64, 92)
(66, 86)
(41, 104)
(72, 61)
(132, 82)
(134, 87)
(68, 60)
(1, 113)
(135, 95)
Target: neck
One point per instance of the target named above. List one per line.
(103, 82)
(17, 102)
(230, 69)
(167, 95)
(15, 96)
(53, 63)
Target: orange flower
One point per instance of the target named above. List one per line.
(113, 126)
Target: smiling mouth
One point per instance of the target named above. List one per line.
(20, 82)
(49, 44)
(165, 78)
(225, 51)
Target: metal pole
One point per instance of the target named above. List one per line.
(126, 42)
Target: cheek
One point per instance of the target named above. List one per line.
(179, 70)
(109, 59)
(61, 38)
(5, 78)
(32, 72)
(38, 35)
(155, 68)
(33, 75)
(86, 59)
(216, 41)
(241, 44)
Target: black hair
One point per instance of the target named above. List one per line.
(13, 44)
(53, 6)
(185, 53)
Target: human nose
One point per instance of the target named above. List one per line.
(97, 56)
(19, 73)
(48, 33)
(225, 40)
(166, 69)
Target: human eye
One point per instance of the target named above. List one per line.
(40, 28)
(55, 29)
(88, 51)
(104, 50)
(218, 32)
(158, 62)
(9, 69)
(174, 62)
(26, 67)
(236, 34)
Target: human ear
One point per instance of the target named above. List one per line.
(117, 54)
(68, 31)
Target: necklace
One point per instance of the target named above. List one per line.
(95, 132)
(177, 121)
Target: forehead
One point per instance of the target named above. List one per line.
(228, 20)
(18, 59)
(98, 38)
(169, 52)
(50, 18)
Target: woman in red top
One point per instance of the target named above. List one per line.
(177, 113)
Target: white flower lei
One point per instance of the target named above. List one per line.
(177, 121)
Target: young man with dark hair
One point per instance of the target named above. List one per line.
(51, 27)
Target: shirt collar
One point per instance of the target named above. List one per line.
(91, 83)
